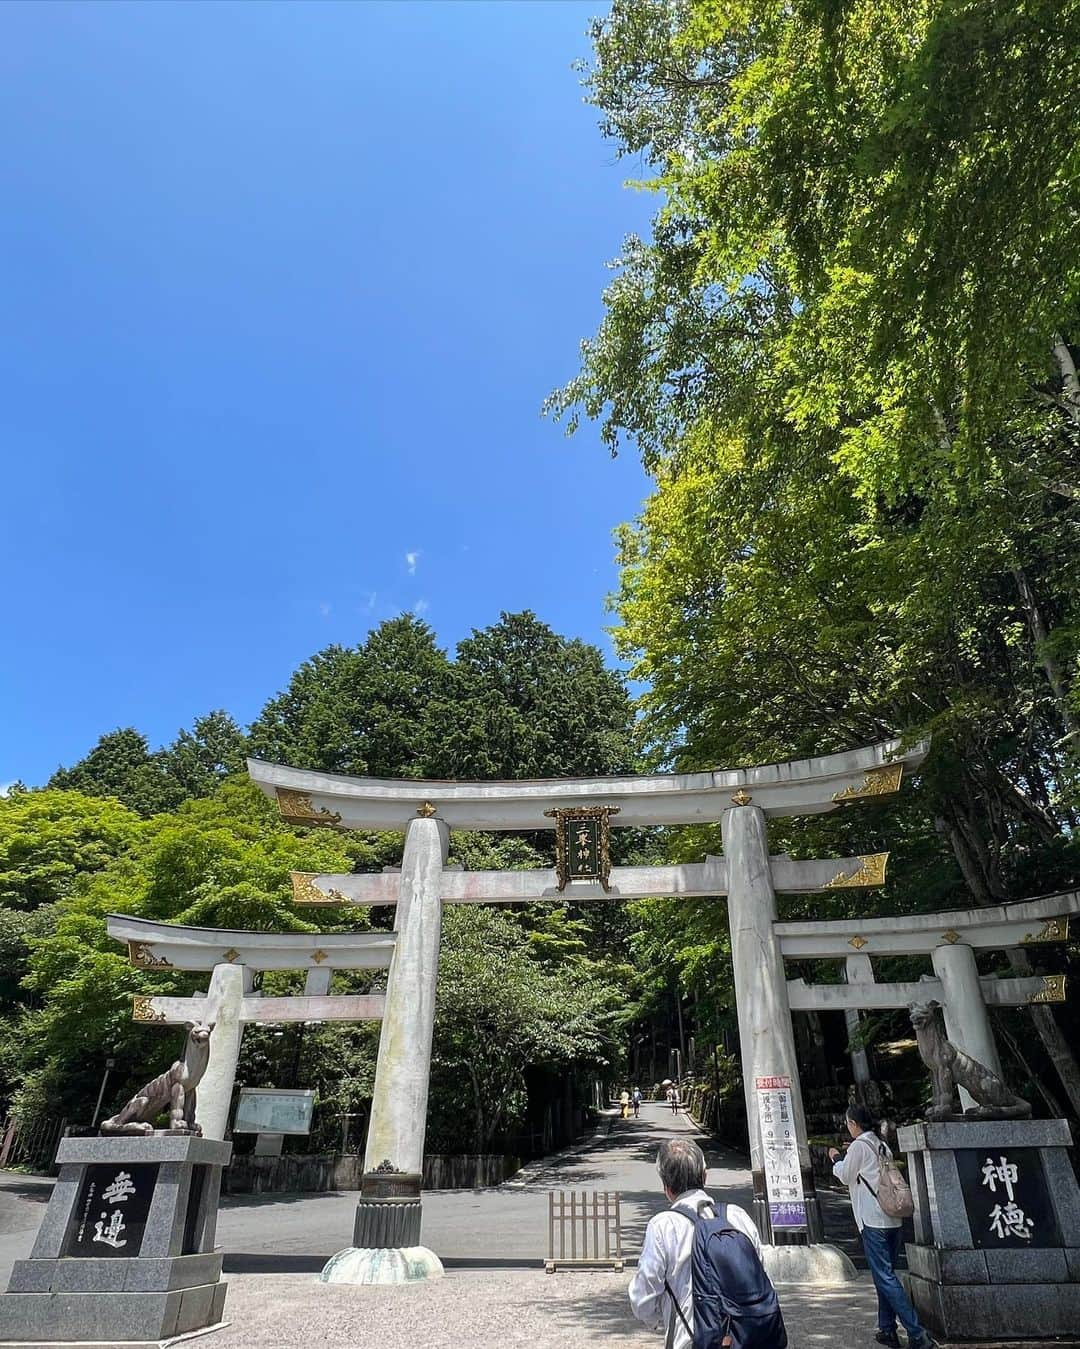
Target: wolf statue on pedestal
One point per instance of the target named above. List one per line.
(951, 1068)
(172, 1090)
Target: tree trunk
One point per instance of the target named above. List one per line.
(1043, 650)
(1052, 1102)
(682, 1038)
(1069, 378)
(478, 1109)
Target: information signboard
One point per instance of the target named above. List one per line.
(780, 1153)
(273, 1110)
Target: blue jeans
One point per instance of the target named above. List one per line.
(882, 1245)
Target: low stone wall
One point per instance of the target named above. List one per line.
(302, 1173)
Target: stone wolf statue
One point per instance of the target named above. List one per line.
(951, 1068)
(172, 1090)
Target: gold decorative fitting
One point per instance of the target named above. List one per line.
(871, 871)
(426, 810)
(142, 1009)
(1054, 929)
(586, 856)
(296, 808)
(230, 955)
(1053, 989)
(876, 782)
(141, 956)
(951, 937)
(318, 956)
(305, 891)
(859, 942)
(741, 798)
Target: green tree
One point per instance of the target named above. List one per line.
(49, 839)
(200, 759)
(864, 436)
(500, 1012)
(119, 765)
(527, 703)
(363, 710)
(220, 862)
(122, 765)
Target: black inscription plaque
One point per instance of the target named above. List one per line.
(1006, 1197)
(110, 1214)
(584, 848)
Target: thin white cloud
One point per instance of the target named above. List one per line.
(420, 607)
(373, 595)
(411, 559)
(324, 609)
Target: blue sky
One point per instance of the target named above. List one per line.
(284, 286)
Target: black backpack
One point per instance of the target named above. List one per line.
(733, 1295)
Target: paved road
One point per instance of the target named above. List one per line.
(505, 1226)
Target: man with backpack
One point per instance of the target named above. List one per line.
(879, 1198)
(699, 1276)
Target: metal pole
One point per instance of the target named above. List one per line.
(109, 1063)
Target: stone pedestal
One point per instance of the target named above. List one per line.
(388, 1211)
(996, 1254)
(125, 1251)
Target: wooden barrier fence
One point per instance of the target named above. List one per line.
(589, 1222)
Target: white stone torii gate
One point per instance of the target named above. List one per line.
(951, 940)
(234, 957)
(740, 800)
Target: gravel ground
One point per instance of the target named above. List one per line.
(473, 1309)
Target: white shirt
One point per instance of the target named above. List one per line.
(665, 1254)
(863, 1159)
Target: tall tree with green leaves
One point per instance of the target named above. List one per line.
(365, 710)
(844, 354)
(527, 703)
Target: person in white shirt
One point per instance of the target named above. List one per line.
(860, 1170)
(669, 1240)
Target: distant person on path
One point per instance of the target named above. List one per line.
(637, 1102)
(675, 1102)
(624, 1101)
(662, 1290)
(860, 1170)
(669, 1094)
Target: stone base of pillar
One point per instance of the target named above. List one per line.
(821, 1264)
(409, 1264)
(387, 1223)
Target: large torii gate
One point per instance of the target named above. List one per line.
(741, 800)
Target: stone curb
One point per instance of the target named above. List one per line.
(521, 1180)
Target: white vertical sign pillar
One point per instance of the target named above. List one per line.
(967, 1022)
(224, 1005)
(765, 1035)
(403, 1068)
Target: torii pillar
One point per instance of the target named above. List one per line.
(388, 1212)
(761, 997)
